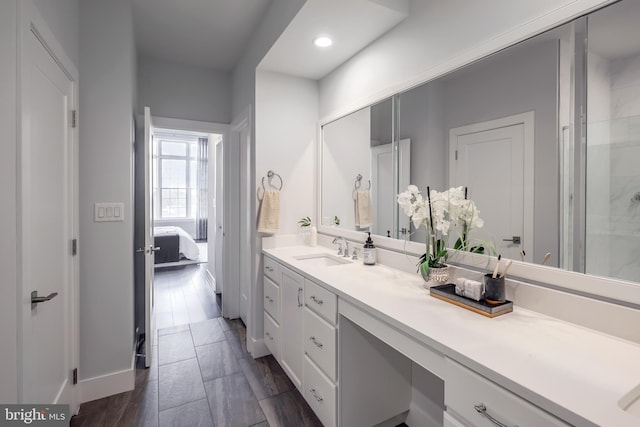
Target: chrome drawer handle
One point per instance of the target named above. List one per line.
(269, 335)
(268, 268)
(268, 298)
(316, 300)
(482, 410)
(316, 342)
(315, 394)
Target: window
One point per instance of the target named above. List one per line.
(175, 178)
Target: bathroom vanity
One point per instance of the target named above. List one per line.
(367, 345)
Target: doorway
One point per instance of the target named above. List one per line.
(182, 193)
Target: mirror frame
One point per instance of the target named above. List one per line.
(607, 289)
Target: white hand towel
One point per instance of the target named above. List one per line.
(269, 216)
(364, 218)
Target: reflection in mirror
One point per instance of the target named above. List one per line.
(492, 127)
(357, 170)
(613, 142)
(510, 127)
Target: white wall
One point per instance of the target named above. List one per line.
(346, 152)
(437, 37)
(8, 266)
(286, 133)
(183, 91)
(107, 90)
(62, 17)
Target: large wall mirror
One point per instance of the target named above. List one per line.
(545, 135)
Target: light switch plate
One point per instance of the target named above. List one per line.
(108, 212)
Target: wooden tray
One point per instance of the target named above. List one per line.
(448, 293)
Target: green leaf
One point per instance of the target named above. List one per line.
(424, 269)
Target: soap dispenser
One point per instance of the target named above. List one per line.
(369, 252)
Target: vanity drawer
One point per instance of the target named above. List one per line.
(272, 336)
(271, 268)
(320, 343)
(320, 393)
(466, 393)
(322, 301)
(272, 299)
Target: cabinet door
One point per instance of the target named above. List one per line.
(291, 325)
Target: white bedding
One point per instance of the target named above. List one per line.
(188, 246)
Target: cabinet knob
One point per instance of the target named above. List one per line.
(314, 393)
(316, 342)
(316, 300)
(482, 410)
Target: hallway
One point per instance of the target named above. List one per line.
(202, 374)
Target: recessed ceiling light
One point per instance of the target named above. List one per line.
(322, 41)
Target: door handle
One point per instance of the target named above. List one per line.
(514, 239)
(140, 250)
(35, 299)
(154, 248)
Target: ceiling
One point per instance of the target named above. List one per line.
(206, 33)
(352, 24)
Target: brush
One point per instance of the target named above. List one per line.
(546, 258)
(506, 269)
(495, 270)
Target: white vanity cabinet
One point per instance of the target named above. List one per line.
(272, 279)
(320, 349)
(291, 325)
(472, 399)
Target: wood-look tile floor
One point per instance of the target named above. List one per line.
(202, 375)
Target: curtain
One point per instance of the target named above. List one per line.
(202, 161)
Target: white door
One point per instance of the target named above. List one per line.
(246, 220)
(494, 160)
(382, 193)
(47, 223)
(149, 248)
(219, 209)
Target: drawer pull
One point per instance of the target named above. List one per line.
(316, 342)
(316, 300)
(314, 393)
(482, 410)
(268, 298)
(268, 268)
(299, 296)
(269, 335)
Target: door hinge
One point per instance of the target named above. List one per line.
(74, 247)
(456, 154)
(74, 119)
(74, 374)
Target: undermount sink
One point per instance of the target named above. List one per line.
(631, 402)
(322, 260)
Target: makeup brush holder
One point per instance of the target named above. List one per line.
(494, 290)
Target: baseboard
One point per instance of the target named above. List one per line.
(107, 385)
(259, 348)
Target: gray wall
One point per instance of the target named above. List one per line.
(62, 17)
(183, 91)
(107, 90)
(8, 260)
(243, 94)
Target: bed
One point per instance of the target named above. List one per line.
(175, 245)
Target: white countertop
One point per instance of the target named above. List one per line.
(572, 372)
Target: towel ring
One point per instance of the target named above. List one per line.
(357, 184)
(270, 176)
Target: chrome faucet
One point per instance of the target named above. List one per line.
(339, 241)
